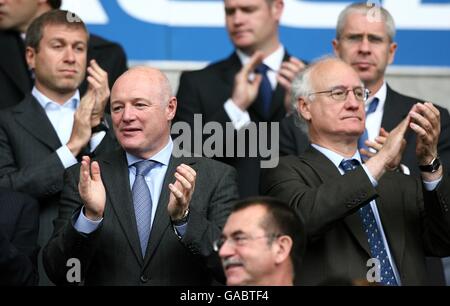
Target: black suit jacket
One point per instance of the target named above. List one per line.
(111, 255)
(19, 224)
(396, 108)
(15, 78)
(28, 159)
(206, 91)
(416, 222)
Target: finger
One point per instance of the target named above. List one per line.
(254, 61)
(291, 68)
(421, 121)
(286, 74)
(94, 74)
(96, 67)
(366, 153)
(183, 181)
(418, 130)
(374, 145)
(430, 113)
(95, 83)
(380, 139)
(189, 169)
(383, 132)
(297, 62)
(84, 172)
(432, 108)
(177, 193)
(95, 172)
(287, 84)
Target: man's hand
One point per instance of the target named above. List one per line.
(90, 110)
(245, 90)
(91, 189)
(98, 83)
(390, 151)
(181, 191)
(288, 71)
(426, 123)
(378, 143)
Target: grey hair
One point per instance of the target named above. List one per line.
(364, 8)
(302, 86)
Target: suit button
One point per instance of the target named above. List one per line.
(144, 279)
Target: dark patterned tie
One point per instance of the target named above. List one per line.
(370, 227)
(372, 108)
(265, 88)
(142, 201)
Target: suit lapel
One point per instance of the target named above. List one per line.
(114, 169)
(162, 220)
(12, 61)
(394, 111)
(326, 170)
(32, 117)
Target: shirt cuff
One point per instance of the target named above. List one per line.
(238, 117)
(430, 186)
(180, 230)
(96, 139)
(372, 179)
(66, 157)
(85, 225)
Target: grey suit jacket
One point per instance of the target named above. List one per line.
(416, 222)
(111, 254)
(28, 161)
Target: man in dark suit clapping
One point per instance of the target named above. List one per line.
(145, 213)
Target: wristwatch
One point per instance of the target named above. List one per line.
(432, 167)
(183, 220)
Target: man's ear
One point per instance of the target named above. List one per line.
(171, 108)
(303, 108)
(30, 55)
(284, 248)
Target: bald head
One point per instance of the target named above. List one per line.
(156, 81)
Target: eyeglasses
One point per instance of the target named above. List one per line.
(239, 240)
(340, 93)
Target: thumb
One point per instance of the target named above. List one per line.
(401, 128)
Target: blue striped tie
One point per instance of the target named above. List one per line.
(142, 201)
(370, 227)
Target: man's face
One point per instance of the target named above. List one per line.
(60, 63)
(332, 121)
(366, 47)
(140, 117)
(247, 256)
(17, 14)
(253, 24)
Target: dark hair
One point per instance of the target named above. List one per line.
(55, 4)
(280, 219)
(54, 17)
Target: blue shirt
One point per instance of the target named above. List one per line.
(61, 116)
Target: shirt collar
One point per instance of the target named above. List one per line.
(44, 101)
(162, 157)
(334, 157)
(273, 61)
